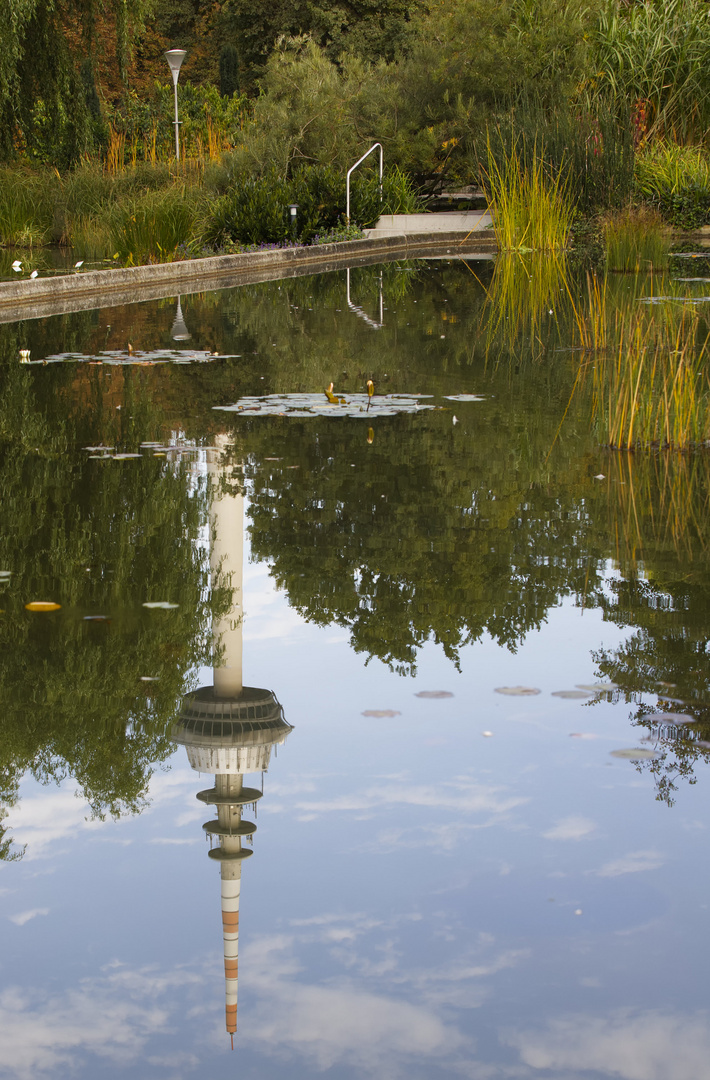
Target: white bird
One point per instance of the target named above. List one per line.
(17, 266)
(34, 273)
(77, 265)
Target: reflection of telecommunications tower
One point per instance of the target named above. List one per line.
(228, 729)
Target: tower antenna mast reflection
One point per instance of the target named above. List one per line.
(229, 729)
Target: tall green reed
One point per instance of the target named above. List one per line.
(635, 239)
(531, 204)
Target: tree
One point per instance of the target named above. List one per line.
(44, 44)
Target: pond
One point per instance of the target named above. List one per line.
(439, 660)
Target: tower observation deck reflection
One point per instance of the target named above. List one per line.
(229, 729)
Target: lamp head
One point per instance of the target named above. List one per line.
(175, 58)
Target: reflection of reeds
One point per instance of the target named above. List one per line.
(650, 386)
(524, 298)
(659, 502)
(532, 206)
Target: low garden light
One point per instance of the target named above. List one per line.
(293, 211)
(175, 58)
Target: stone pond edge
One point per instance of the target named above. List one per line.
(209, 270)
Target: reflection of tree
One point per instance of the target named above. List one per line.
(658, 518)
(99, 537)
(418, 540)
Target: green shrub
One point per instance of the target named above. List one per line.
(27, 201)
(635, 240)
(150, 227)
(676, 179)
(255, 210)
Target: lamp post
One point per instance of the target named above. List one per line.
(175, 58)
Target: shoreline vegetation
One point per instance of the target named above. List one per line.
(584, 123)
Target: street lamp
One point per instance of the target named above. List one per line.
(179, 330)
(175, 58)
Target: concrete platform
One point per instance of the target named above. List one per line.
(460, 221)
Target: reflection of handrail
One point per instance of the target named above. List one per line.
(347, 178)
(358, 310)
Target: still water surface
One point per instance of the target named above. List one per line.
(471, 883)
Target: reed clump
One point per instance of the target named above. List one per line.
(635, 240)
(532, 205)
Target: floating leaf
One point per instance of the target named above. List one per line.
(517, 691)
(638, 754)
(434, 694)
(671, 718)
(42, 605)
(598, 687)
(381, 713)
(571, 694)
(124, 457)
(463, 397)
(163, 605)
(96, 618)
(316, 405)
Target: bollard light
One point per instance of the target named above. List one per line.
(175, 58)
(293, 211)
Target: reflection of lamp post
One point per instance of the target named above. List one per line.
(229, 729)
(293, 211)
(179, 331)
(175, 58)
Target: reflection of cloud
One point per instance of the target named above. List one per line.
(25, 916)
(633, 863)
(110, 1017)
(341, 1023)
(39, 821)
(463, 795)
(173, 840)
(44, 819)
(570, 828)
(644, 1046)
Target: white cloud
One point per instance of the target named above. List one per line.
(25, 916)
(633, 863)
(641, 1046)
(571, 828)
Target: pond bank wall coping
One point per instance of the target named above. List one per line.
(65, 293)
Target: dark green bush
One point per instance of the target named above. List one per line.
(255, 209)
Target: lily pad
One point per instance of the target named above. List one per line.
(432, 694)
(96, 618)
(381, 713)
(671, 718)
(160, 605)
(639, 753)
(42, 605)
(598, 687)
(463, 397)
(124, 457)
(302, 405)
(572, 694)
(517, 691)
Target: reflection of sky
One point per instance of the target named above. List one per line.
(423, 901)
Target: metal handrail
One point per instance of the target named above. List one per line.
(358, 310)
(374, 146)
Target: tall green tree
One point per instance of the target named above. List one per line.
(43, 45)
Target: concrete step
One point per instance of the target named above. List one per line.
(461, 221)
